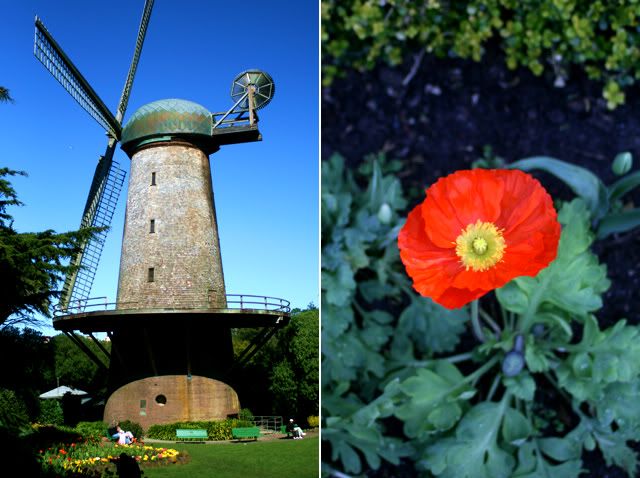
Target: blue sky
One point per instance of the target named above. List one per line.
(266, 192)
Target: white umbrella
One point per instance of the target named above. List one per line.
(61, 391)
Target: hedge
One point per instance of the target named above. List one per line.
(601, 38)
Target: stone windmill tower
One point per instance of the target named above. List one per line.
(171, 357)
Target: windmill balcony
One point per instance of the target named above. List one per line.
(99, 315)
(234, 301)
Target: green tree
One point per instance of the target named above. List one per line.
(298, 347)
(26, 365)
(287, 366)
(32, 264)
(74, 368)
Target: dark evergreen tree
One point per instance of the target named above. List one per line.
(5, 97)
(32, 264)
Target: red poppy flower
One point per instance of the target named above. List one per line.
(475, 231)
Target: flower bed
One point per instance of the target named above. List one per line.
(93, 457)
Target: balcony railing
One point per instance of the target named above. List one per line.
(234, 301)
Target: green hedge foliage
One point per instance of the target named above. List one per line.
(95, 430)
(217, 430)
(13, 411)
(602, 38)
(50, 413)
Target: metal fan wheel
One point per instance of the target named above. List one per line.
(264, 86)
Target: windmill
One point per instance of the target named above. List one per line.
(172, 307)
(108, 177)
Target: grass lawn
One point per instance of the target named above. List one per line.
(269, 459)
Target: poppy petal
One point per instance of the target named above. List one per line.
(517, 209)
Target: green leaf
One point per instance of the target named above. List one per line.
(582, 182)
(601, 358)
(532, 463)
(560, 449)
(623, 185)
(473, 451)
(434, 399)
(426, 328)
(620, 404)
(515, 427)
(612, 444)
(618, 222)
(522, 386)
(352, 425)
(348, 353)
(339, 287)
(535, 356)
(571, 285)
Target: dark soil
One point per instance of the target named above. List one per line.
(440, 119)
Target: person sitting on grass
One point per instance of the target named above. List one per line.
(295, 430)
(124, 438)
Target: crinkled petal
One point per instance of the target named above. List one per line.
(431, 267)
(512, 200)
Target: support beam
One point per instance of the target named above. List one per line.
(114, 348)
(100, 346)
(254, 346)
(86, 350)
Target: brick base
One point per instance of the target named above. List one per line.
(171, 398)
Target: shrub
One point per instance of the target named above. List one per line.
(13, 411)
(217, 430)
(95, 430)
(599, 37)
(245, 415)
(50, 413)
(133, 427)
(313, 421)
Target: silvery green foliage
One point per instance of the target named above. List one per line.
(362, 342)
(389, 390)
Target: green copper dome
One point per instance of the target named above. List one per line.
(171, 117)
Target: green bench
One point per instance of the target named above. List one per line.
(283, 430)
(184, 434)
(244, 433)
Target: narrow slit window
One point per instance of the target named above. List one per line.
(153, 178)
(151, 274)
(152, 226)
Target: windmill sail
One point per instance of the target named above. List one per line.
(99, 209)
(47, 50)
(108, 177)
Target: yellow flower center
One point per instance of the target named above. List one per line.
(480, 246)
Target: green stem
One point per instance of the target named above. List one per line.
(494, 387)
(488, 319)
(459, 357)
(505, 316)
(427, 363)
(553, 382)
(525, 319)
(475, 322)
(482, 370)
